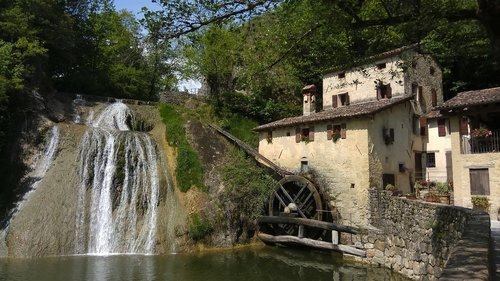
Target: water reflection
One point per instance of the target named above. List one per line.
(266, 263)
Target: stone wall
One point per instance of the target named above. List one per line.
(417, 239)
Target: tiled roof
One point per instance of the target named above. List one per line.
(471, 98)
(381, 56)
(353, 110)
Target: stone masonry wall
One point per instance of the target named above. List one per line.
(413, 237)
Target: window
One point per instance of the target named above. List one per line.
(344, 99)
(384, 91)
(269, 136)
(431, 160)
(287, 134)
(432, 70)
(434, 97)
(479, 182)
(381, 65)
(341, 75)
(388, 179)
(304, 134)
(304, 166)
(414, 89)
(441, 127)
(334, 101)
(464, 126)
(423, 125)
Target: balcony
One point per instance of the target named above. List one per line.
(489, 144)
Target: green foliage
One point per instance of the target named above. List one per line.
(199, 228)
(442, 187)
(247, 186)
(480, 202)
(241, 128)
(188, 170)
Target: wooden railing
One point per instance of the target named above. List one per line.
(489, 144)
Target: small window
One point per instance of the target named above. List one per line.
(304, 166)
(432, 70)
(423, 125)
(388, 179)
(381, 65)
(384, 91)
(414, 89)
(307, 134)
(269, 136)
(344, 99)
(431, 160)
(433, 97)
(441, 127)
(334, 101)
(287, 134)
(341, 75)
(479, 182)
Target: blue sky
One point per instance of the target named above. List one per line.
(135, 6)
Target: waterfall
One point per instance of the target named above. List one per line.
(119, 186)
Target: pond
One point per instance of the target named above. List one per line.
(254, 263)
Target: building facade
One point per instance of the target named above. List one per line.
(373, 123)
(475, 138)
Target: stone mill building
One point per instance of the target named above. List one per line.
(376, 128)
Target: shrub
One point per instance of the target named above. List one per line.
(479, 202)
(199, 228)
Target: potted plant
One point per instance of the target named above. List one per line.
(443, 192)
(481, 133)
(432, 197)
(395, 191)
(336, 136)
(480, 203)
(411, 196)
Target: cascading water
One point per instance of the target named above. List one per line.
(119, 186)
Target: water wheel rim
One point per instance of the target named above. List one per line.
(306, 191)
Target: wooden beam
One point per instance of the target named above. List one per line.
(308, 222)
(287, 239)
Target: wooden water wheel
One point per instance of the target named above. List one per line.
(295, 196)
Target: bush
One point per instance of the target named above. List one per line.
(479, 202)
(199, 228)
(188, 170)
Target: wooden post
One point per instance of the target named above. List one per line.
(301, 231)
(335, 237)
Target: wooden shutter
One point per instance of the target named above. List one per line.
(347, 100)
(464, 126)
(420, 93)
(298, 135)
(479, 181)
(311, 133)
(343, 131)
(329, 132)
(423, 125)
(379, 93)
(434, 97)
(334, 101)
(441, 127)
(389, 91)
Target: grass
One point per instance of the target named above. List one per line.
(199, 228)
(189, 171)
(242, 128)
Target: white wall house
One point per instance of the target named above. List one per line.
(475, 138)
(369, 130)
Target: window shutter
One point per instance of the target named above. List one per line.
(343, 131)
(311, 133)
(464, 126)
(379, 93)
(434, 97)
(391, 134)
(389, 91)
(329, 132)
(298, 135)
(420, 93)
(423, 125)
(347, 100)
(441, 128)
(334, 101)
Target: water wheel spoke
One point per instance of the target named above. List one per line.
(306, 202)
(287, 195)
(298, 194)
(282, 202)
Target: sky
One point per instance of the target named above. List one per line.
(135, 6)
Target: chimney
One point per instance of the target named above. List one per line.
(309, 103)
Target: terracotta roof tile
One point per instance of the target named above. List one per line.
(353, 110)
(434, 114)
(470, 98)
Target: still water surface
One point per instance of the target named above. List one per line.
(261, 263)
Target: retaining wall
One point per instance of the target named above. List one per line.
(425, 241)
